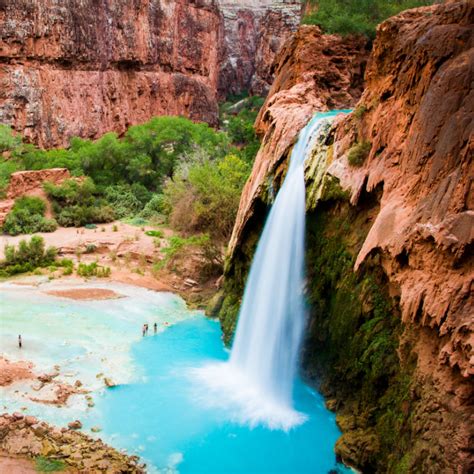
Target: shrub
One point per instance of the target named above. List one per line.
(76, 203)
(7, 167)
(157, 205)
(8, 141)
(356, 17)
(93, 269)
(90, 248)
(27, 257)
(45, 464)
(123, 200)
(155, 233)
(67, 265)
(358, 153)
(27, 217)
(238, 120)
(179, 247)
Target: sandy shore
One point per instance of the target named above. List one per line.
(132, 257)
(86, 294)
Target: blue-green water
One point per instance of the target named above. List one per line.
(169, 425)
(160, 412)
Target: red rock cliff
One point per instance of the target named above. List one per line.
(85, 68)
(254, 32)
(416, 116)
(313, 72)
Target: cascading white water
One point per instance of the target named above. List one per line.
(260, 374)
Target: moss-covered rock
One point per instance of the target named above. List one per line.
(353, 341)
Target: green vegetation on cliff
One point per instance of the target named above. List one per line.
(356, 16)
(369, 378)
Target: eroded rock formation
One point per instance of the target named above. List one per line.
(390, 238)
(314, 72)
(83, 69)
(27, 182)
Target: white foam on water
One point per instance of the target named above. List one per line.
(225, 387)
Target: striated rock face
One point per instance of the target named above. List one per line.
(90, 67)
(314, 72)
(254, 32)
(83, 69)
(416, 113)
(391, 266)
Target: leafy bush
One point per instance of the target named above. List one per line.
(155, 233)
(76, 203)
(157, 205)
(356, 17)
(32, 204)
(37, 159)
(27, 257)
(27, 217)
(204, 195)
(7, 167)
(358, 153)
(67, 265)
(123, 200)
(90, 248)
(178, 247)
(147, 153)
(8, 140)
(93, 269)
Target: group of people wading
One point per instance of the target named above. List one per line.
(144, 332)
(155, 328)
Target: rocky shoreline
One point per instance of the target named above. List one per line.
(27, 438)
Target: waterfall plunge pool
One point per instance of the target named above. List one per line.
(159, 411)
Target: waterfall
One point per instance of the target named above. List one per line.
(262, 368)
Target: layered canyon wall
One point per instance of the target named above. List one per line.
(390, 235)
(254, 32)
(84, 68)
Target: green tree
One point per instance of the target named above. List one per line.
(204, 195)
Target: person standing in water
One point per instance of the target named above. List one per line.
(19, 341)
(144, 330)
(155, 328)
